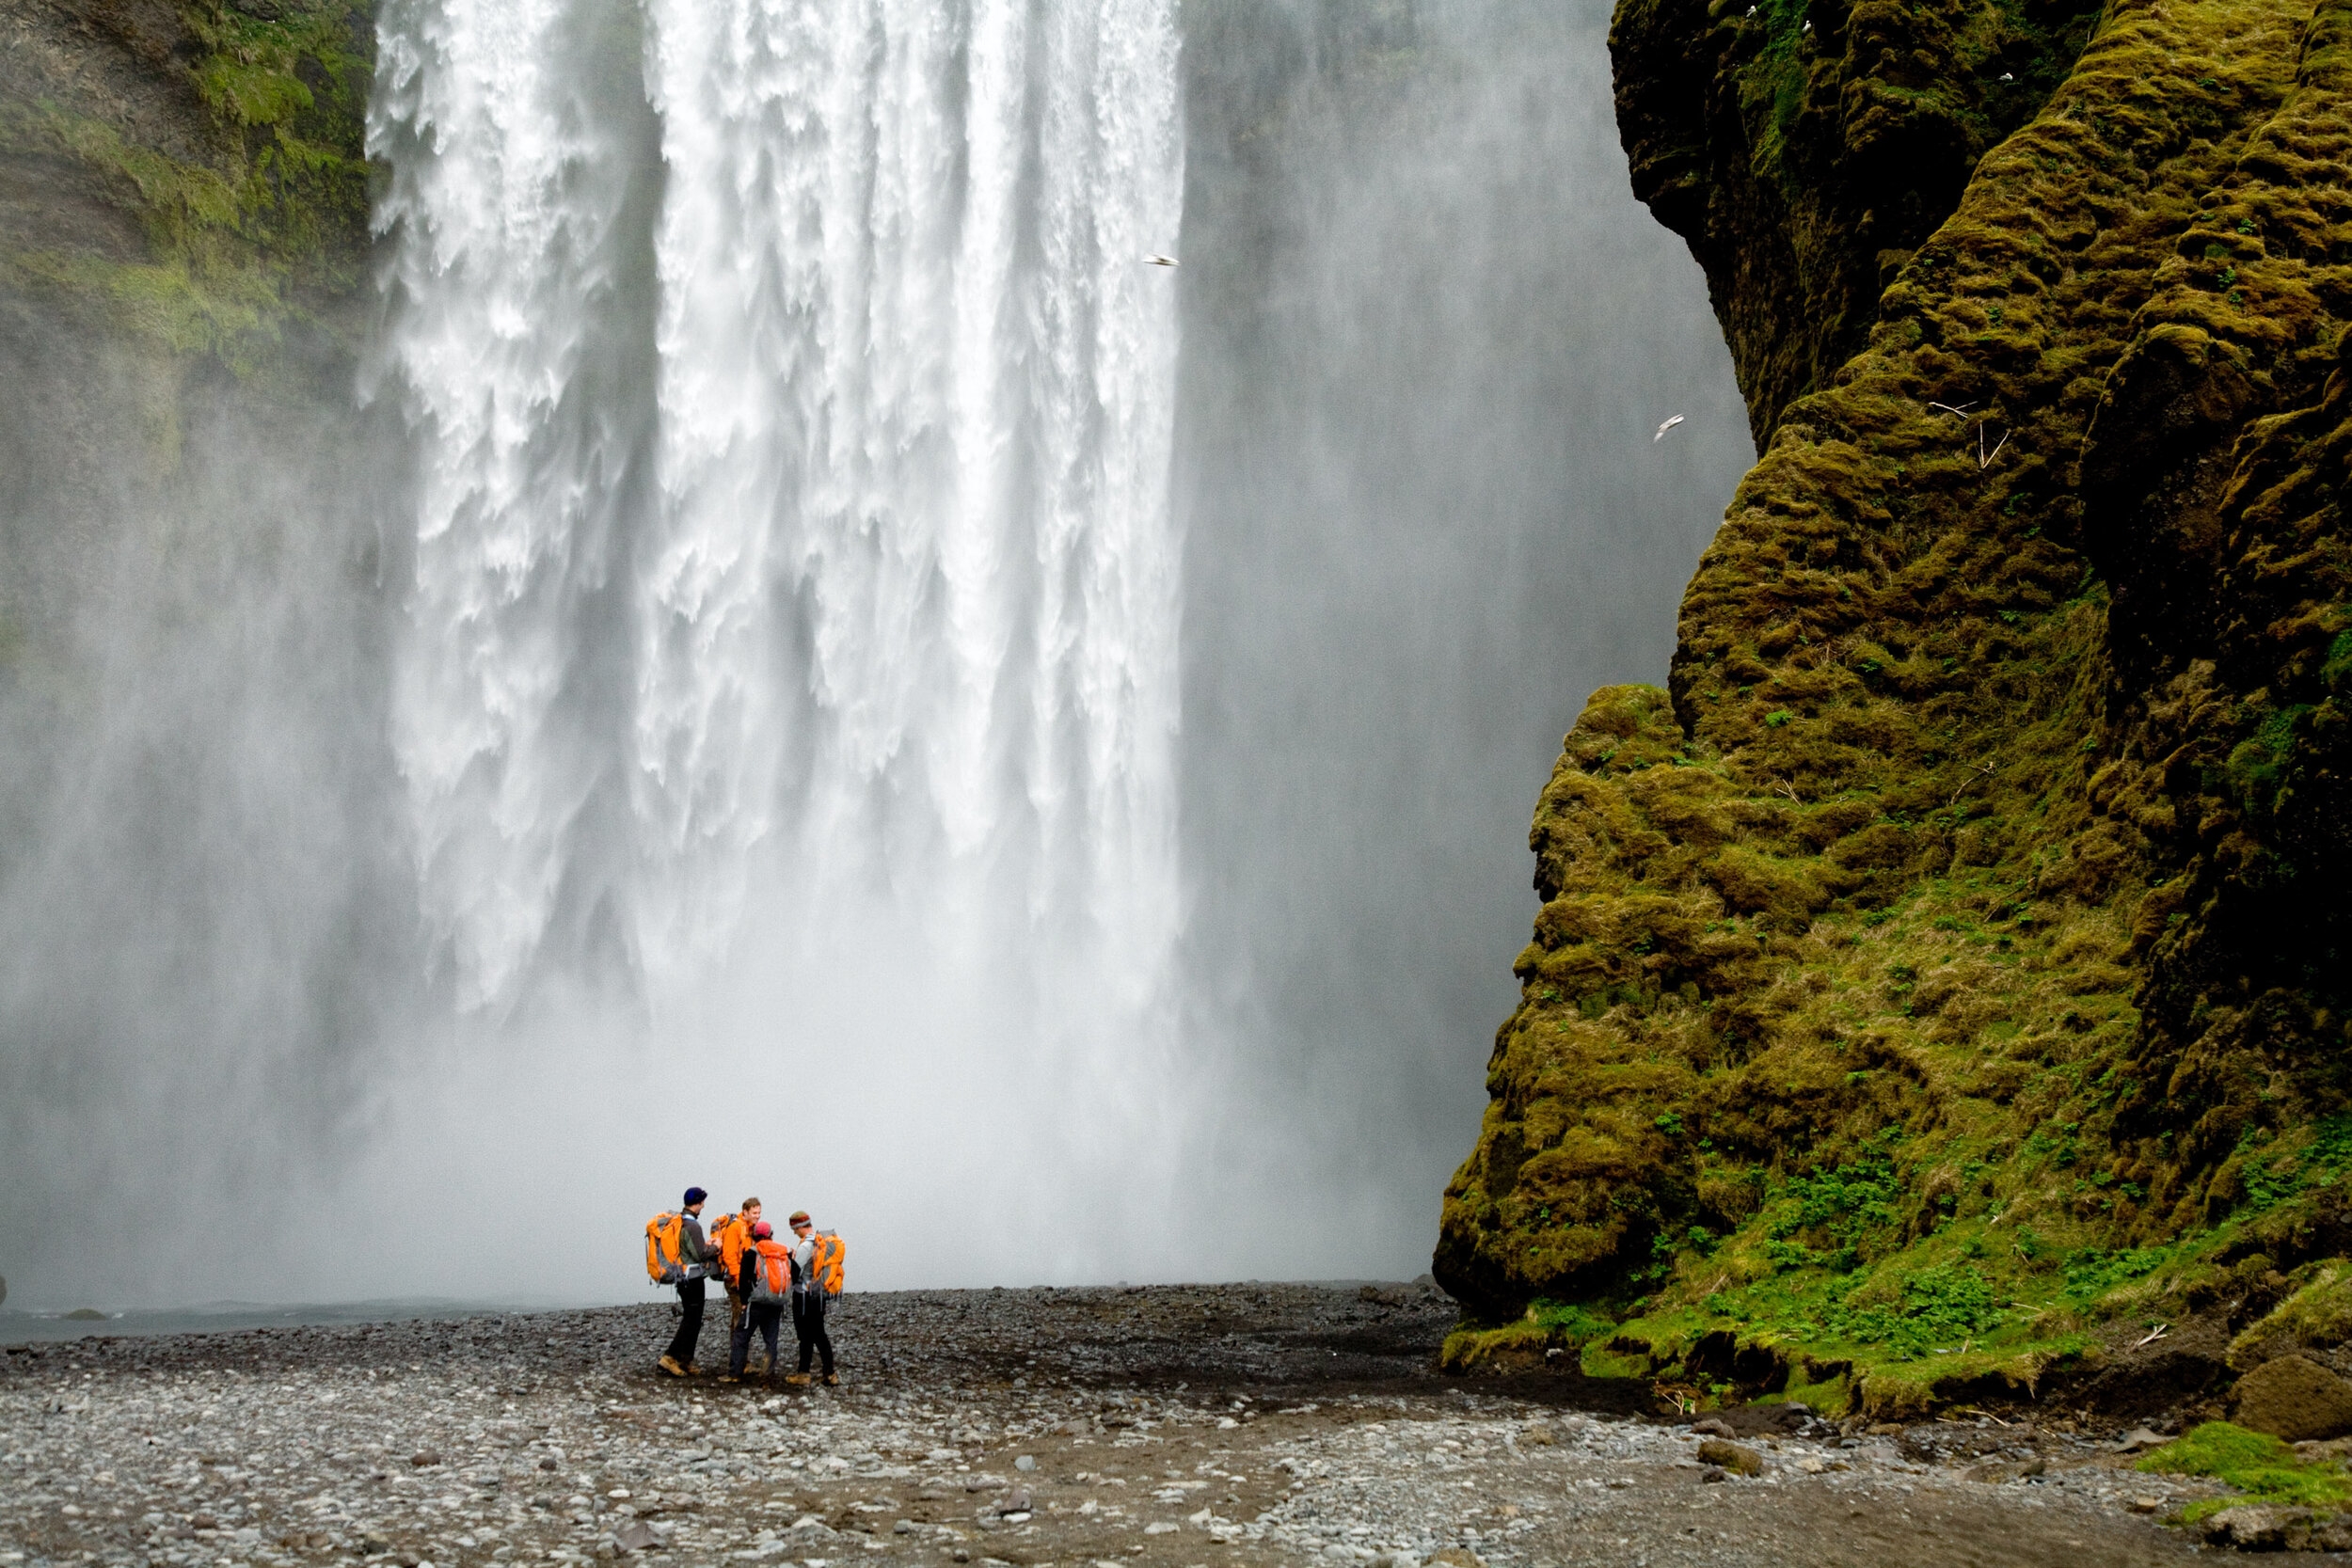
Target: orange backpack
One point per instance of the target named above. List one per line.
(730, 1236)
(768, 1280)
(665, 1243)
(824, 1262)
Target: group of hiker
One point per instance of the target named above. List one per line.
(762, 1274)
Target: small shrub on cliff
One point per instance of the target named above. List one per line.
(1844, 1206)
(1938, 1308)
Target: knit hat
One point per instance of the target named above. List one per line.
(694, 1195)
(799, 1216)
(762, 1231)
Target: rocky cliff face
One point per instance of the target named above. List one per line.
(186, 171)
(182, 233)
(1949, 967)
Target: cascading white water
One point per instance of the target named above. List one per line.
(511, 201)
(794, 614)
(909, 607)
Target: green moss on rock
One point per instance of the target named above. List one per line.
(243, 173)
(2318, 1316)
(2261, 1468)
(1950, 961)
(1807, 148)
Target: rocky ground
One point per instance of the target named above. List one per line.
(1212, 1426)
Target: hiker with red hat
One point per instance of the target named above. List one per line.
(764, 1282)
(816, 1284)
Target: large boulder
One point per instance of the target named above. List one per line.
(1736, 1457)
(2295, 1400)
(2265, 1527)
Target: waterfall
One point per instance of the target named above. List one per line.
(908, 605)
(792, 629)
(711, 713)
(517, 177)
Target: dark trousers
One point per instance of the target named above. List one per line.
(808, 1321)
(690, 1328)
(763, 1318)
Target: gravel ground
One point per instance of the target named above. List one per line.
(1174, 1426)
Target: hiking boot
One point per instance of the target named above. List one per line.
(831, 1381)
(796, 1379)
(669, 1364)
(729, 1377)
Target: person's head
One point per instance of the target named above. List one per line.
(695, 1199)
(799, 1222)
(751, 1210)
(763, 1231)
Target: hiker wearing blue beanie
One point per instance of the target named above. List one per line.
(694, 1257)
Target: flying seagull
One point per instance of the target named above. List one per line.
(1664, 428)
(1161, 260)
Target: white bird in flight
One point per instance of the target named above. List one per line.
(1161, 260)
(1664, 428)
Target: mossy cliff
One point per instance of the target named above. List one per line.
(1943, 982)
(185, 172)
(183, 236)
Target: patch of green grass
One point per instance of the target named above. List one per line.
(1828, 1396)
(1939, 1308)
(2260, 766)
(2295, 1166)
(1840, 1207)
(1569, 1319)
(2092, 1271)
(1546, 1327)
(1600, 1360)
(2262, 1467)
(2337, 672)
